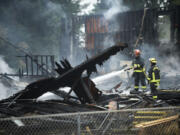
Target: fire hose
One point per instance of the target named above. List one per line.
(148, 79)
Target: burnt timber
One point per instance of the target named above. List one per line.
(25, 100)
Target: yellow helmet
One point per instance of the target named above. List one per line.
(153, 60)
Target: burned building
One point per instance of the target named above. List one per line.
(134, 27)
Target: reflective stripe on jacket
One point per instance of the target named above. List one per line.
(138, 65)
(154, 74)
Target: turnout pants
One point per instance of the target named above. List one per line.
(139, 77)
(154, 87)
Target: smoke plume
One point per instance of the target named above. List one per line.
(168, 59)
(34, 23)
(4, 68)
(115, 7)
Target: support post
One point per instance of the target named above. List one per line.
(78, 125)
(37, 65)
(46, 63)
(42, 72)
(26, 60)
(32, 70)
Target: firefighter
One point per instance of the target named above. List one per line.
(154, 77)
(139, 71)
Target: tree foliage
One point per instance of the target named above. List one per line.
(35, 23)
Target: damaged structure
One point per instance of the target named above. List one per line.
(57, 98)
(87, 96)
(68, 76)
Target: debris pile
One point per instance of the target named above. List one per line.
(25, 101)
(82, 93)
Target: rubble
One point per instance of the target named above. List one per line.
(87, 96)
(25, 100)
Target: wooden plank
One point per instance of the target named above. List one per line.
(88, 130)
(46, 62)
(32, 71)
(42, 64)
(26, 60)
(151, 112)
(37, 70)
(157, 122)
(148, 117)
(52, 62)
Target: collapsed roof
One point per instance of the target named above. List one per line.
(83, 87)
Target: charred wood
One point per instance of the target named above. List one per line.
(68, 76)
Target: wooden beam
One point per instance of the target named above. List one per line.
(88, 130)
(26, 60)
(157, 122)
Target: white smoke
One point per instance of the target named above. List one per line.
(8, 85)
(116, 6)
(3, 89)
(168, 64)
(4, 68)
(89, 6)
(55, 12)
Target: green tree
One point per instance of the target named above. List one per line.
(176, 2)
(36, 23)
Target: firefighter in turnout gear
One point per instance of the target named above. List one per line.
(154, 77)
(139, 71)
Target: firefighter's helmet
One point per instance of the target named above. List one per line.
(137, 52)
(153, 60)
